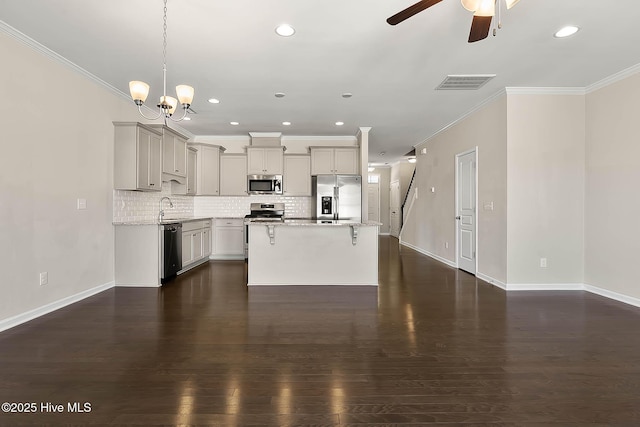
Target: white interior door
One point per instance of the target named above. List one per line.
(374, 202)
(394, 205)
(466, 211)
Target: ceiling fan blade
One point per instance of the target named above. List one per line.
(480, 27)
(410, 11)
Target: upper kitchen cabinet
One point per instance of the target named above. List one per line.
(265, 160)
(297, 175)
(207, 169)
(174, 153)
(188, 188)
(334, 160)
(137, 157)
(233, 175)
(192, 159)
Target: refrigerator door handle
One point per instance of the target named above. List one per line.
(336, 198)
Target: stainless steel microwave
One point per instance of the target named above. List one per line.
(264, 184)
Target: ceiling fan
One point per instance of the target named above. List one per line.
(483, 12)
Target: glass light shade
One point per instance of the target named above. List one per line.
(471, 5)
(486, 8)
(139, 90)
(511, 3)
(185, 94)
(170, 101)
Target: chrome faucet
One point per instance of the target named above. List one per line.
(161, 213)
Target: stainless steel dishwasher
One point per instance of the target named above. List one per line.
(171, 244)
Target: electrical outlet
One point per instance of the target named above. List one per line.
(543, 263)
(44, 278)
(446, 245)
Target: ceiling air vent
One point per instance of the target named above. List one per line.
(465, 81)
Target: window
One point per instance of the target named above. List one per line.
(374, 179)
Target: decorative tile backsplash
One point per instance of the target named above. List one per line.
(238, 207)
(144, 206)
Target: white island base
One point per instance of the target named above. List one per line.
(313, 253)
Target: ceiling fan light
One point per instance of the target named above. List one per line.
(471, 5)
(486, 8)
(139, 91)
(185, 94)
(511, 3)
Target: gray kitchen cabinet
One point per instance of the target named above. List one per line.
(233, 175)
(334, 160)
(137, 157)
(196, 242)
(207, 169)
(189, 186)
(174, 153)
(297, 175)
(265, 160)
(228, 238)
(192, 159)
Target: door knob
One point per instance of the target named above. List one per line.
(458, 217)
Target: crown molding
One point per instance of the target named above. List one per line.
(221, 138)
(613, 78)
(313, 138)
(545, 90)
(23, 38)
(489, 100)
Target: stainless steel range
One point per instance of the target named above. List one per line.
(263, 212)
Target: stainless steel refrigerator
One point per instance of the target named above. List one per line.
(337, 197)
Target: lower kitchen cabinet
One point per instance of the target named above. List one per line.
(196, 243)
(228, 238)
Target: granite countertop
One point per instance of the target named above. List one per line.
(313, 222)
(165, 221)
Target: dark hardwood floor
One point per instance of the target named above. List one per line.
(430, 346)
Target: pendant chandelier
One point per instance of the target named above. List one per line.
(167, 104)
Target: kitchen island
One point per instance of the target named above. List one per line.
(313, 252)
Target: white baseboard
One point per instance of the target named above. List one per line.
(227, 257)
(613, 295)
(491, 280)
(545, 287)
(311, 284)
(429, 254)
(48, 308)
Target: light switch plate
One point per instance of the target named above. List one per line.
(82, 204)
(44, 278)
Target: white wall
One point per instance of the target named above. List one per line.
(545, 188)
(385, 186)
(612, 241)
(57, 146)
(432, 223)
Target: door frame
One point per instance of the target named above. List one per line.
(475, 214)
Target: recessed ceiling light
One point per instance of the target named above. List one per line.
(234, 123)
(214, 101)
(412, 160)
(279, 95)
(347, 95)
(286, 123)
(285, 30)
(339, 123)
(567, 31)
(187, 118)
